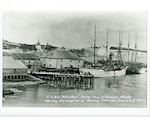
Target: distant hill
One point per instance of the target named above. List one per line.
(32, 47)
(79, 52)
(25, 47)
(123, 48)
(9, 45)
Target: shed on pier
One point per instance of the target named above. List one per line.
(10, 66)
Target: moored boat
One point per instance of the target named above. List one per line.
(134, 67)
(112, 68)
(104, 73)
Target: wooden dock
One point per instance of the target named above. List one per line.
(71, 81)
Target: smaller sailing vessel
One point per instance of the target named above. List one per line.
(133, 66)
(109, 68)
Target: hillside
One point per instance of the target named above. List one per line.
(25, 47)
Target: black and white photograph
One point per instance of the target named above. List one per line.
(75, 59)
(59, 59)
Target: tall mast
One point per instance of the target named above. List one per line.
(132, 56)
(128, 44)
(135, 46)
(107, 46)
(94, 44)
(120, 44)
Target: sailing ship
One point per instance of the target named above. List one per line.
(110, 68)
(133, 66)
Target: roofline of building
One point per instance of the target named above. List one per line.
(61, 58)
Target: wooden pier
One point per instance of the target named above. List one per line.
(68, 81)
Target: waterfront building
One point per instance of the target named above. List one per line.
(61, 59)
(13, 69)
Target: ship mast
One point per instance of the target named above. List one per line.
(128, 44)
(120, 44)
(135, 47)
(95, 45)
(107, 46)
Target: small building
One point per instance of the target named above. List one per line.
(13, 69)
(38, 47)
(61, 59)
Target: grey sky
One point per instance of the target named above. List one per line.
(74, 29)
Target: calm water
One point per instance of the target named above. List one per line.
(124, 91)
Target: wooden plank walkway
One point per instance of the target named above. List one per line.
(62, 80)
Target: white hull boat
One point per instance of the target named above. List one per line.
(103, 73)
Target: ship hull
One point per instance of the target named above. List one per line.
(102, 73)
(137, 71)
(142, 70)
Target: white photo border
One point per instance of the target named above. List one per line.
(74, 5)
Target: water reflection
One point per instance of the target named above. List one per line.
(133, 85)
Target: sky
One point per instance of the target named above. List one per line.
(75, 29)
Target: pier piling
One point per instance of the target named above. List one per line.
(67, 80)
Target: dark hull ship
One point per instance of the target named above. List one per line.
(133, 66)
